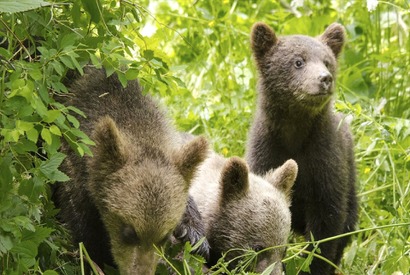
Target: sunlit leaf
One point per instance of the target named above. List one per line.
(55, 130)
(21, 5)
(45, 134)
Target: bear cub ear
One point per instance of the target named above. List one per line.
(110, 152)
(188, 158)
(334, 38)
(283, 177)
(262, 39)
(234, 179)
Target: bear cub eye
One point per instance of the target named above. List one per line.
(299, 63)
(129, 236)
(257, 248)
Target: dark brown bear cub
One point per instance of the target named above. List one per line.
(132, 194)
(295, 119)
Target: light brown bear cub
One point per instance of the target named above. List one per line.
(295, 119)
(243, 211)
(133, 192)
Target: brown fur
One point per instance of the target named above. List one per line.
(132, 194)
(244, 211)
(295, 119)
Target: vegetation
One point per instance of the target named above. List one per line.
(195, 57)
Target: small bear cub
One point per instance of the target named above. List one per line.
(295, 119)
(241, 210)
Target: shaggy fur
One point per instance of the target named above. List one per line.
(133, 192)
(295, 119)
(244, 211)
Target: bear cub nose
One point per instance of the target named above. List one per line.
(326, 80)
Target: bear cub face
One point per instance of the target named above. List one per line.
(141, 193)
(309, 64)
(241, 210)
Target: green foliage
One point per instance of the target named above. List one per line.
(179, 259)
(196, 56)
(38, 47)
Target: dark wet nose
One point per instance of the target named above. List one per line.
(326, 79)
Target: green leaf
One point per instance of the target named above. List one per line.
(76, 13)
(73, 120)
(59, 87)
(76, 64)
(132, 74)
(24, 125)
(6, 244)
(109, 68)
(10, 135)
(55, 130)
(80, 150)
(95, 61)
(122, 79)
(51, 115)
(21, 5)
(44, 52)
(351, 253)
(5, 53)
(24, 222)
(25, 263)
(32, 135)
(69, 40)
(67, 61)
(38, 235)
(5, 176)
(148, 54)
(79, 133)
(40, 107)
(36, 74)
(87, 141)
(52, 164)
(28, 189)
(50, 168)
(136, 15)
(269, 269)
(58, 67)
(26, 249)
(50, 272)
(46, 135)
(25, 146)
(85, 149)
(58, 176)
(76, 110)
(92, 7)
(21, 87)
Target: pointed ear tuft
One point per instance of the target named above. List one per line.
(110, 152)
(234, 179)
(334, 38)
(283, 177)
(188, 158)
(262, 39)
